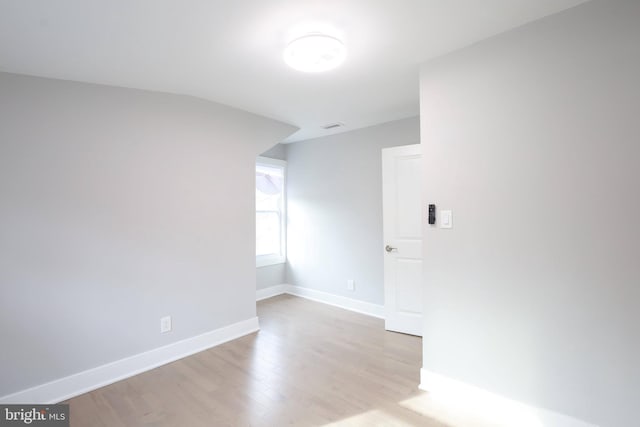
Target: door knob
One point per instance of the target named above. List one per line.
(389, 248)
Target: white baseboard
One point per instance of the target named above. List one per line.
(271, 291)
(83, 382)
(361, 307)
(467, 397)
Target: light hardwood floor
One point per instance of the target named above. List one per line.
(310, 365)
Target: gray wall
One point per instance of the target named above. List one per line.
(334, 196)
(117, 207)
(272, 275)
(278, 151)
(531, 138)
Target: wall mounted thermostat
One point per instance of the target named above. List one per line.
(432, 214)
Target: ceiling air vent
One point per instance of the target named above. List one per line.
(332, 126)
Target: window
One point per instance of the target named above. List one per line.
(270, 212)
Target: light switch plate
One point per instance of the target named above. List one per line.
(446, 219)
(165, 324)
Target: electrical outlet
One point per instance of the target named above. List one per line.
(165, 324)
(351, 285)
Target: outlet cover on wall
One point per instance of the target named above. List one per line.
(165, 324)
(351, 285)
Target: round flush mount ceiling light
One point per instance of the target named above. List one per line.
(315, 53)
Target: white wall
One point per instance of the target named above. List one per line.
(272, 275)
(117, 207)
(334, 196)
(278, 151)
(531, 138)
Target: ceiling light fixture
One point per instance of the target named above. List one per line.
(315, 53)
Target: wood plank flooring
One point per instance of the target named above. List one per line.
(310, 365)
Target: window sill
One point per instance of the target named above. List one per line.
(266, 261)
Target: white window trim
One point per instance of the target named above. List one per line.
(267, 260)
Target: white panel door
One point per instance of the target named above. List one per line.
(401, 200)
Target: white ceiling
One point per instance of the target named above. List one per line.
(231, 51)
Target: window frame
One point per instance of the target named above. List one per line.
(272, 259)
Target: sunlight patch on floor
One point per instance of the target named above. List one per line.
(446, 410)
(458, 410)
(388, 417)
(369, 418)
